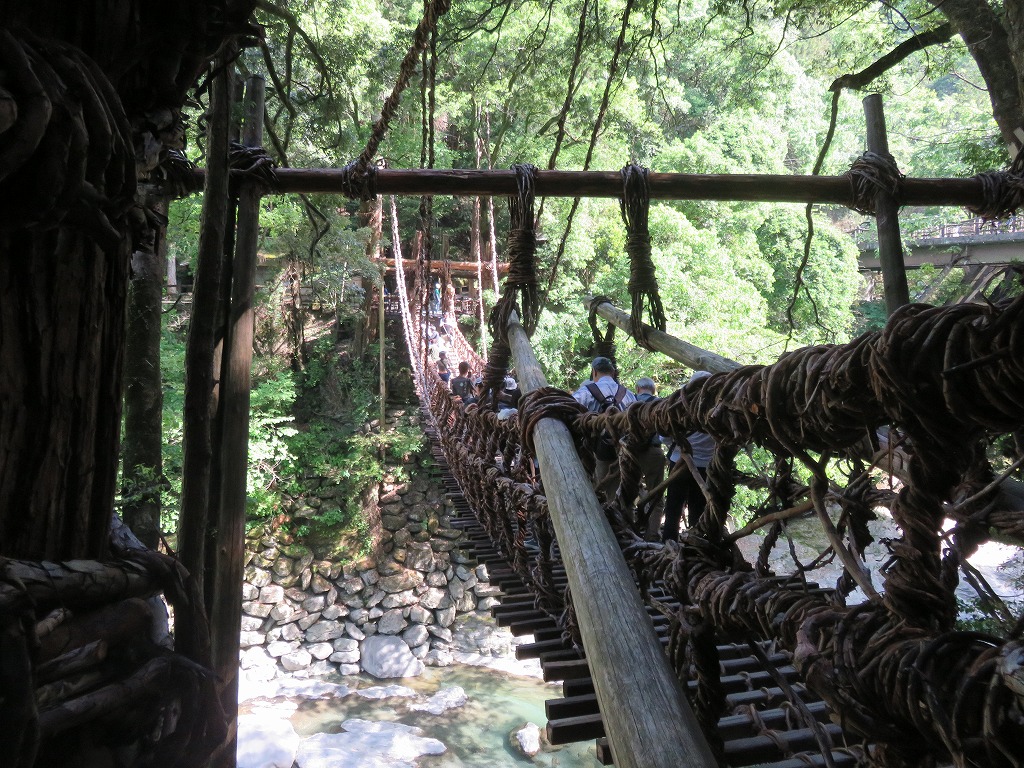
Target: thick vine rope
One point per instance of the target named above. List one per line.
(521, 280)
(252, 164)
(635, 204)
(519, 294)
(870, 173)
(360, 173)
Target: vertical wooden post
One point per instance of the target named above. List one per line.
(493, 248)
(474, 239)
(646, 716)
(380, 342)
(199, 364)
(475, 236)
(172, 267)
(227, 580)
(492, 236)
(890, 246)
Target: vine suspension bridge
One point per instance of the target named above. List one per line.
(677, 654)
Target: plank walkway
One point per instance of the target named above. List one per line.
(763, 729)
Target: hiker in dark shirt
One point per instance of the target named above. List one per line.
(603, 391)
(685, 490)
(652, 467)
(510, 394)
(462, 386)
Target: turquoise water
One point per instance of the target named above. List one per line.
(476, 733)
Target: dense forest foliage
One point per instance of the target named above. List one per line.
(576, 84)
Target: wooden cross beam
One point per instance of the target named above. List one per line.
(663, 186)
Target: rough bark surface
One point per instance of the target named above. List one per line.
(96, 88)
(61, 340)
(998, 51)
(143, 399)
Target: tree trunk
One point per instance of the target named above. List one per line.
(143, 399)
(62, 300)
(999, 53)
(199, 361)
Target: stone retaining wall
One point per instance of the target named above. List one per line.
(309, 616)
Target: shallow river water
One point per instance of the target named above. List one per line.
(1002, 565)
(476, 733)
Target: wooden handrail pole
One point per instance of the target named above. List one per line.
(769, 188)
(647, 719)
(686, 353)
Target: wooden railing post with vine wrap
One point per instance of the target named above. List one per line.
(647, 719)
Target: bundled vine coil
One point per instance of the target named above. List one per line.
(635, 204)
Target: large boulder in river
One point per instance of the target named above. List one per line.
(367, 745)
(266, 740)
(526, 739)
(388, 656)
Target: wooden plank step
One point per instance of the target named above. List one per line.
(570, 729)
(534, 650)
(750, 663)
(742, 726)
(759, 749)
(604, 751)
(729, 727)
(554, 633)
(766, 697)
(839, 759)
(560, 654)
(577, 706)
(739, 689)
(529, 626)
(740, 650)
(515, 605)
(573, 669)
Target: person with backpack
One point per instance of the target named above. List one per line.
(652, 466)
(462, 386)
(685, 491)
(442, 366)
(599, 394)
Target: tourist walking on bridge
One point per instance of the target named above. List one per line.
(602, 392)
(652, 467)
(462, 386)
(442, 366)
(685, 490)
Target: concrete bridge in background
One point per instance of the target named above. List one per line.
(973, 243)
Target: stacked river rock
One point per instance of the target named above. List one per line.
(387, 615)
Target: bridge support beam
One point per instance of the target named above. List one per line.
(686, 353)
(647, 719)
